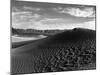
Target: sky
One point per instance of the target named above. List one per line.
(43, 16)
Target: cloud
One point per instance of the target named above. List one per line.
(32, 8)
(21, 13)
(25, 14)
(21, 16)
(15, 9)
(36, 16)
(41, 25)
(56, 21)
(23, 19)
(57, 9)
(88, 25)
(78, 12)
(28, 19)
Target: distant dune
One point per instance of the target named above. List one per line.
(35, 32)
(70, 50)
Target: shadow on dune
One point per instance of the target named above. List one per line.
(71, 50)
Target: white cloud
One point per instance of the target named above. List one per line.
(24, 15)
(57, 8)
(21, 13)
(26, 19)
(31, 8)
(15, 9)
(88, 25)
(78, 12)
(56, 21)
(36, 16)
(43, 26)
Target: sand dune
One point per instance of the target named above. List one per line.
(17, 38)
(70, 50)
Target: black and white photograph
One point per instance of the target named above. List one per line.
(52, 37)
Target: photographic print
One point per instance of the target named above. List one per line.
(52, 37)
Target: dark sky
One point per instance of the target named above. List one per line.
(39, 15)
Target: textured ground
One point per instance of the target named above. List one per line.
(68, 51)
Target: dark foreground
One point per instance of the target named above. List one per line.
(68, 51)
